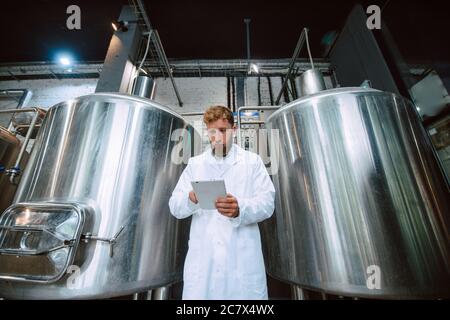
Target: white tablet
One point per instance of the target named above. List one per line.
(207, 192)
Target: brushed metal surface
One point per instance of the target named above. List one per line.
(111, 153)
(359, 192)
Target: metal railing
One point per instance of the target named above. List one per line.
(15, 170)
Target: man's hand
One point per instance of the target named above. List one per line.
(228, 206)
(193, 197)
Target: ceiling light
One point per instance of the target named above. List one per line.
(65, 61)
(120, 25)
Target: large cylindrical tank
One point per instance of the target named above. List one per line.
(362, 206)
(91, 217)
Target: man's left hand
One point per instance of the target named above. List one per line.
(228, 206)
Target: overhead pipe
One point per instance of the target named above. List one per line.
(269, 84)
(298, 48)
(187, 114)
(259, 90)
(286, 88)
(167, 65)
(228, 92)
(25, 97)
(293, 89)
(233, 94)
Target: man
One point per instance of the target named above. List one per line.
(224, 259)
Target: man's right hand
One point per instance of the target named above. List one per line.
(192, 197)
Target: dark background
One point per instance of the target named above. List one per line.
(36, 30)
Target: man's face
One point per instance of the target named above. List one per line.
(220, 134)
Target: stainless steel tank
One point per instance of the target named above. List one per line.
(91, 217)
(362, 206)
(9, 150)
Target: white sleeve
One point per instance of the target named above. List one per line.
(180, 205)
(260, 206)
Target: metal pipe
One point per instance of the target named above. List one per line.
(24, 126)
(293, 89)
(23, 101)
(240, 64)
(223, 67)
(259, 90)
(15, 171)
(252, 122)
(269, 84)
(286, 89)
(228, 92)
(308, 49)
(149, 37)
(233, 92)
(148, 295)
(144, 86)
(187, 114)
(247, 27)
(161, 293)
(298, 293)
(298, 48)
(159, 47)
(32, 109)
(166, 64)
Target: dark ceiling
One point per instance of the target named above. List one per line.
(36, 30)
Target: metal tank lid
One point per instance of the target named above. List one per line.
(322, 94)
(123, 96)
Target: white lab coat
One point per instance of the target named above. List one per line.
(225, 260)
